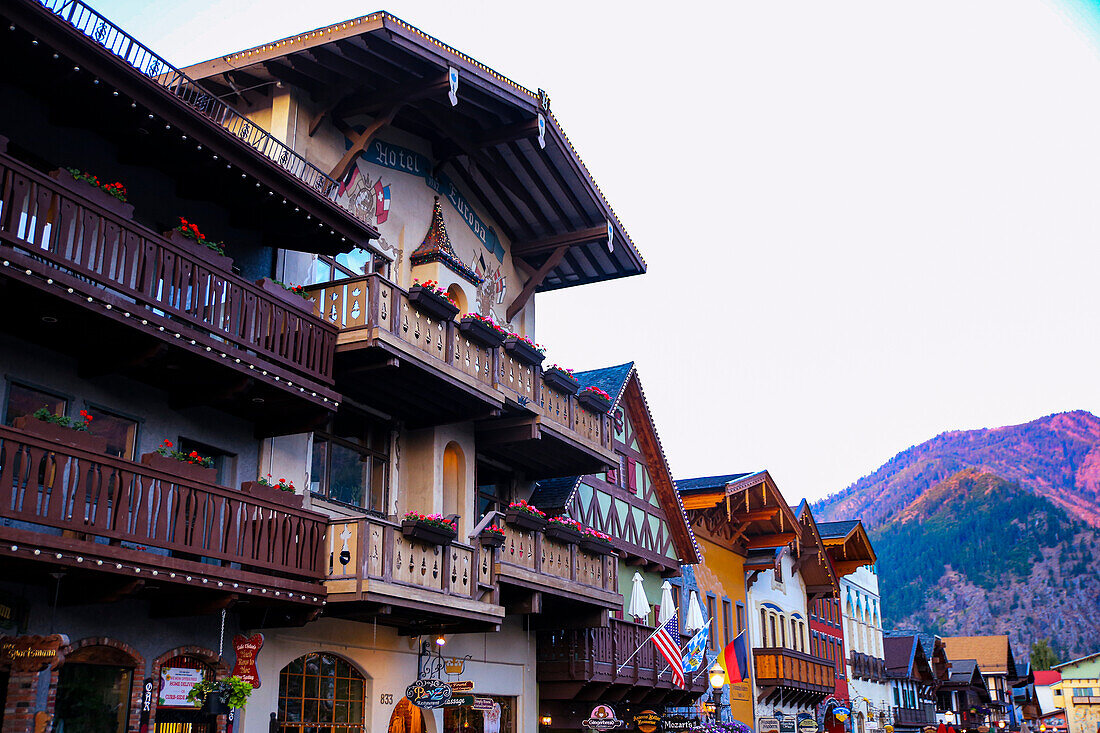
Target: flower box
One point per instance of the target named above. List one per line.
(200, 251)
(432, 303)
(480, 332)
(90, 192)
(182, 469)
(597, 546)
(271, 493)
(563, 533)
(491, 539)
(270, 286)
(429, 532)
(524, 520)
(561, 381)
(595, 402)
(61, 434)
(523, 351)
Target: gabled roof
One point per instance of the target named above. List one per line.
(898, 652)
(741, 511)
(993, 653)
(709, 483)
(1047, 676)
(821, 576)
(498, 141)
(1063, 665)
(624, 386)
(836, 530)
(848, 545)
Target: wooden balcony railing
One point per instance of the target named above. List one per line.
(67, 242)
(558, 567)
(78, 503)
(603, 656)
(371, 548)
(369, 306)
(776, 667)
(923, 715)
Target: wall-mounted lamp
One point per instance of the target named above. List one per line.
(440, 640)
(546, 720)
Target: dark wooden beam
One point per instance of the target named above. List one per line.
(400, 94)
(282, 72)
(508, 133)
(488, 166)
(549, 244)
(531, 285)
(770, 540)
(361, 141)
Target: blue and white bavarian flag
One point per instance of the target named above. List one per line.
(695, 653)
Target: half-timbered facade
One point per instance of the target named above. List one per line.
(635, 503)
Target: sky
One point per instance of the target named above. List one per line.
(865, 222)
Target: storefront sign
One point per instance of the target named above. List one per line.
(806, 723)
(175, 683)
(457, 700)
(483, 703)
(461, 686)
(454, 665)
(31, 653)
(673, 723)
(602, 718)
(786, 724)
(428, 693)
(647, 721)
(146, 704)
(767, 725)
(247, 649)
(841, 713)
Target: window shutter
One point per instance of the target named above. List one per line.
(631, 479)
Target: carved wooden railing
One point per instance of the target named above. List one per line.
(785, 667)
(603, 655)
(64, 238)
(370, 548)
(923, 715)
(359, 305)
(562, 561)
(48, 489)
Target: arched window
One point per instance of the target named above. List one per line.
(94, 689)
(454, 485)
(321, 690)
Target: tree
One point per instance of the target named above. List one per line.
(1042, 656)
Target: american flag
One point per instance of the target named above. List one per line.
(664, 638)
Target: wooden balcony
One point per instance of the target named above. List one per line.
(1086, 700)
(540, 575)
(796, 675)
(918, 717)
(401, 360)
(376, 573)
(122, 299)
(120, 528)
(596, 664)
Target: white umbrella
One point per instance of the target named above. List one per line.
(693, 621)
(668, 608)
(639, 606)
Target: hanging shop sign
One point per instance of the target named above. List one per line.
(247, 649)
(483, 703)
(428, 693)
(647, 721)
(787, 724)
(767, 725)
(602, 718)
(461, 686)
(675, 723)
(175, 683)
(31, 653)
(454, 665)
(146, 703)
(457, 700)
(841, 713)
(806, 723)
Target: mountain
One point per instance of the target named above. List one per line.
(989, 531)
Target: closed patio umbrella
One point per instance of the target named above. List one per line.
(639, 606)
(693, 620)
(668, 607)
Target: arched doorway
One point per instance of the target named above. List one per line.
(95, 690)
(406, 718)
(321, 691)
(454, 484)
(174, 714)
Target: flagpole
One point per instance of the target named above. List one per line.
(620, 669)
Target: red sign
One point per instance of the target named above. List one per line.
(247, 649)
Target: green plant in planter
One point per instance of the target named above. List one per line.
(233, 691)
(45, 415)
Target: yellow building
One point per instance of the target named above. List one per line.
(1078, 693)
(731, 515)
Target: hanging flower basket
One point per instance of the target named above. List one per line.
(433, 528)
(281, 491)
(595, 399)
(597, 542)
(290, 294)
(524, 349)
(524, 516)
(432, 301)
(62, 433)
(217, 697)
(561, 380)
(482, 330)
(95, 192)
(491, 536)
(564, 529)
